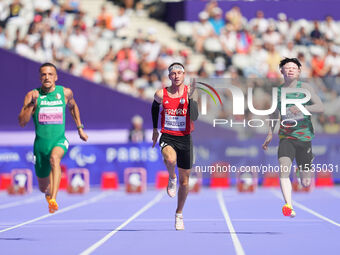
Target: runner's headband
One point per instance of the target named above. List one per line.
(177, 67)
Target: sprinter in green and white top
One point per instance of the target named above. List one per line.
(47, 105)
(295, 138)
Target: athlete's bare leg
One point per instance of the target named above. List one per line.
(55, 158)
(306, 178)
(286, 185)
(170, 159)
(183, 188)
(44, 185)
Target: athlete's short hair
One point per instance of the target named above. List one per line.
(47, 64)
(287, 60)
(174, 64)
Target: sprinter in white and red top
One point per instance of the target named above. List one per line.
(179, 111)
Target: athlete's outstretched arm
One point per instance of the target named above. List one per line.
(272, 124)
(28, 109)
(74, 110)
(155, 113)
(317, 106)
(193, 106)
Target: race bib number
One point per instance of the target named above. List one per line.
(51, 115)
(298, 116)
(175, 123)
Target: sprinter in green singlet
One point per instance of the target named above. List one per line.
(47, 106)
(297, 132)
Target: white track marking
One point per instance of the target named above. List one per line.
(21, 202)
(95, 246)
(238, 247)
(333, 192)
(66, 209)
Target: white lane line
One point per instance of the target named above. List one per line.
(21, 202)
(238, 247)
(66, 209)
(95, 246)
(305, 208)
(333, 192)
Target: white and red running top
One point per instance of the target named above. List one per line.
(175, 114)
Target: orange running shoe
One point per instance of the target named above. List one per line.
(52, 205)
(288, 210)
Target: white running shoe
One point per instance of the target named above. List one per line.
(179, 224)
(171, 189)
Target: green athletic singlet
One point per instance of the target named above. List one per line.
(49, 121)
(303, 131)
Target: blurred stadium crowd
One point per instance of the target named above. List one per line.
(221, 44)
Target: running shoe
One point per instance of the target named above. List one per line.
(288, 210)
(52, 205)
(171, 189)
(179, 224)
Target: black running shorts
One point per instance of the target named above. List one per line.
(183, 147)
(300, 150)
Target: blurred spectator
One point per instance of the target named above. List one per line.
(127, 64)
(202, 30)
(228, 40)
(260, 22)
(234, 18)
(60, 18)
(210, 6)
(137, 133)
(14, 13)
(272, 36)
(104, 18)
(3, 39)
(318, 63)
(72, 6)
(216, 20)
(289, 50)
(273, 61)
(79, 21)
(42, 7)
(120, 21)
(301, 37)
(78, 43)
(316, 35)
(3, 13)
(332, 68)
(331, 126)
(305, 66)
(331, 30)
(151, 50)
(282, 24)
(244, 42)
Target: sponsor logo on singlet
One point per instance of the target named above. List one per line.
(176, 111)
(50, 115)
(57, 102)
